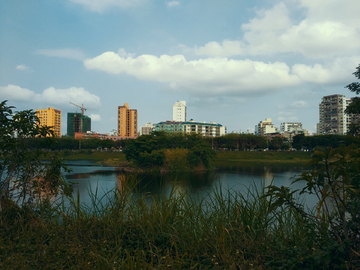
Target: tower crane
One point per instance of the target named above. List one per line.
(81, 107)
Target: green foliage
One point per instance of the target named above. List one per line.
(159, 148)
(310, 142)
(23, 176)
(335, 180)
(276, 143)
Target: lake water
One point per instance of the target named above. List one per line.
(90, 177)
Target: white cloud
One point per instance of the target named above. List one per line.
(337, 71)
(95, 117)
(67, 53)
(172, 3)
(14, 92)
(22, 67)
(227, 48)
(102, 5)
(51, 96)
(204, 76)
(328, 29)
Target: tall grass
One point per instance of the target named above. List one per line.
(224, 230)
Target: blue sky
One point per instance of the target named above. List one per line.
(234, 62)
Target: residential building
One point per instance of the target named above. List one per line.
(127, 121)
(52, 118)
(332, 116)
(290, 127)
(179, 111)
(265, 127)
(146, 130)
(77, 122)
(205, 129)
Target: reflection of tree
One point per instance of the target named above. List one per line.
(88, 175)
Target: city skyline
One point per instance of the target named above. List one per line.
(233, 62)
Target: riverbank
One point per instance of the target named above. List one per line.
(117, 159)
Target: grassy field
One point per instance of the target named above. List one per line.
(240, 157)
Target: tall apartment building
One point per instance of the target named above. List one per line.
(332, 116)
(265, 127)
(127, 121)
(76, 122)
(50, 117)
(179, 111)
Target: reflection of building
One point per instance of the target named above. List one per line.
(179, 111)
(76, 122)
(146, 130)
(265, 127)
(52, 118)
(332, 116)
(127, 121)
(205, 129)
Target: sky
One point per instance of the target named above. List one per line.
(234, 62)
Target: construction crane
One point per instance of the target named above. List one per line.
(81, 107)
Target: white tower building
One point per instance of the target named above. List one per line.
(179, 111)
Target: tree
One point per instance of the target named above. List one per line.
(24, 175)
(354, 106)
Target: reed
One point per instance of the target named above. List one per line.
(223, 230)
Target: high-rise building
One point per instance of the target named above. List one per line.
(127, 121)
(265, 127)
(52, 118)
(179, 111)
(76, 122)
(332, 116)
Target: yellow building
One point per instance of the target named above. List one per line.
(52, 118)
(127, 121)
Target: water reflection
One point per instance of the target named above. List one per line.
(101, 180)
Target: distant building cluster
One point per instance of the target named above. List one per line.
(332, 120)
(178, 124)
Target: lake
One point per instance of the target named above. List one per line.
(89, 176)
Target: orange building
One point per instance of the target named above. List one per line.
(127, 121)
(52, 118)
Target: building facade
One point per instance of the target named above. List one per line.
(191, 127)
(76, 122)
(52, 118)
(127, 121)
(146, 130)
(265, 127)
(290, 127)
(332, 116)
(179, 111)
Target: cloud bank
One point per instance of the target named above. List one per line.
(51, 96)
(217, 76)
(329, 29)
